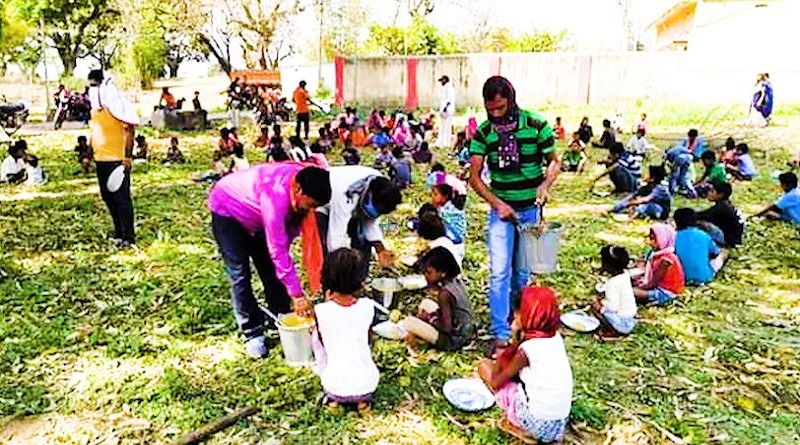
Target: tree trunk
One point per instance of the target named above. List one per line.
(172, 68)
(68, 60)
(220, 54)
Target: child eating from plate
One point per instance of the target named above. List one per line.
(663, 276)
(617, 309)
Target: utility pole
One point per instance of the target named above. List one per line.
(44, 64)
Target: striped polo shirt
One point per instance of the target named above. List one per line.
(535, 141)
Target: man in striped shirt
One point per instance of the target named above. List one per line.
(518, 147)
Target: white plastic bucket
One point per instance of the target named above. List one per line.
(384, 290)
(296, 342)
(540, 247)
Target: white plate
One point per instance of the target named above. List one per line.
(385, 285)
(115, 179)
(621, 217)
(600, 288)
(408, 260)
(580, 321)
(468, 394)
(390, 330)
(413, 282)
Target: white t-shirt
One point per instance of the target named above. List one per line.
(448, 97)
(35, 175)
(619, 296)
(12, 166)
(340, 209)
(638, 145)
(457, 250)
(344, 330)
(547, 378)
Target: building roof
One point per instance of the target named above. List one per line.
(675, 14)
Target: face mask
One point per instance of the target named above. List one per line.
(370, 210)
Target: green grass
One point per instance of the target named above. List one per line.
(139, 347)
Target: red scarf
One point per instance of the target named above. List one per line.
(538, 317)
(311, 247)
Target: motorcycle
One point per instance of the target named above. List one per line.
(75, 109)
(13, 115)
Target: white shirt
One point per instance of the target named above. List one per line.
(619, 296)
(448, 97)
(349, 370)
(35, 175)
(547, 378)
(638, 145)
(340, 209)
(457, 250)
(240, 164)
(12, 166)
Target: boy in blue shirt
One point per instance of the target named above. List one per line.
(680, 159)
(787, 208)
(695, 249)
(743, 168)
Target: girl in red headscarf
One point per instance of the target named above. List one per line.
(532, 379)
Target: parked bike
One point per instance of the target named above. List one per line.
(13, 116)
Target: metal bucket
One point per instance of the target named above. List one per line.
(540, 247)
(296, 342)
(384, 290)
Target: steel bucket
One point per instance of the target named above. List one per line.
(539, 247)
(296, 342)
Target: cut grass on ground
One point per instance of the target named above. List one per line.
(107, 346)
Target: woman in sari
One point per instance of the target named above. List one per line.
(762, 98)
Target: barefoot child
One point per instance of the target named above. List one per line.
(742, 168)
(84, 153)
(174, 154)
(348, 374)
(623, 169)
(663, 276)
(723, 221)
(617, 310)
(653, 200)
(532, 378)
(447, 322)
(714, 172)
(574, 158)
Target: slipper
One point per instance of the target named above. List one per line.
(506, 427)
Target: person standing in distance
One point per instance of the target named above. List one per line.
(518, 147)
(301, 100)
(111, 137)
(446, 111)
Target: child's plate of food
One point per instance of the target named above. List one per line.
(600, 288)
(390, 330)
(413, 282)
(580, 321)
(601, 193)
(408, 260)
(468, 394)
(621, 217)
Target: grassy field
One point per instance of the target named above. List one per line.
(104, 346)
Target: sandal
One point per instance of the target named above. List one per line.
(514, 431)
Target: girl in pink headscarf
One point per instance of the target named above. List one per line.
(663, 274)
(472, 128)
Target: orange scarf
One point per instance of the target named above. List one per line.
(311, 246)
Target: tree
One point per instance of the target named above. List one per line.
(217, 37)
(73, 27)
(15, 39)
(541, 41)
(419, 38)
(261, 26)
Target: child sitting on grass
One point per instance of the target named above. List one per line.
(140, 150)
(663, 276)
(349, 154)
(35, 175)
(455, 219)
(723, 222)
(446, 323)
(400, 169)
(617, 310)
(742, 168)
(532, 378)
(727, 153)
(84, 153)
(787, 208)
(574, 158)
(432, 228)
(558, 129)
(714, 172)
(700, 257)
(174, 154)
(623, 169)
(384, 160)
(347, 372)
(653, 200)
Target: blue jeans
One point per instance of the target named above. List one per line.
(680, 177)
(716, 234)
(238, 247)
(508, 273)
(650, 210)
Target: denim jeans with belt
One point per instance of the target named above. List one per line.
(507, 273)
(238, 247)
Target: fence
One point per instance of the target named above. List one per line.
(565, 78)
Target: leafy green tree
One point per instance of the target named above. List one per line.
(541, 41)
(15, 40)
(73, 27)
(419, 38)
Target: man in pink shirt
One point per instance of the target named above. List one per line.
(256, 214)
